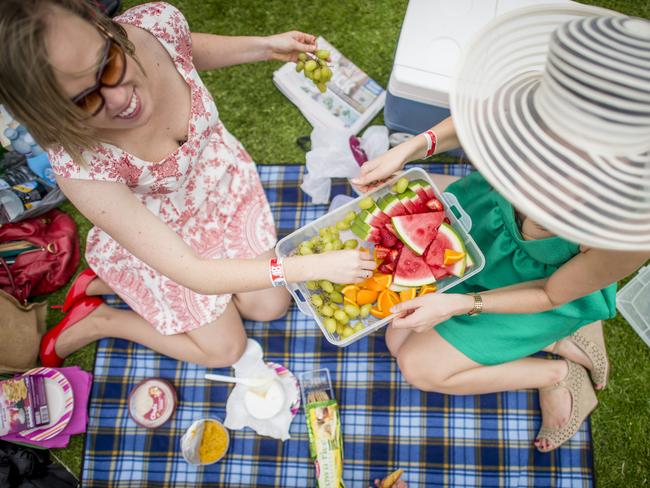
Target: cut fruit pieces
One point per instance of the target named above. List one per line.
(378, 282)
(452, 257)
(410, 294)
(418, 230)
(378, 313)
(364, 231)
(387, 299)
(455, 243)
(391, 206)
(412, 270)
(350, 292)
(426, 289)
(364, 297)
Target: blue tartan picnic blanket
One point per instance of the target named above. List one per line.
(439, 440)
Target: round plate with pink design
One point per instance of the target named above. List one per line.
(60, 404)
(283, 372)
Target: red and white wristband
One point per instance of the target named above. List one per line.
(432, 140)
(276, 272)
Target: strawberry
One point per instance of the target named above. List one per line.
(435, 205)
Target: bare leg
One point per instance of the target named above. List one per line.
(218, 344)
(98, 287)
(263, 305)
(430, 363)
(395, 338)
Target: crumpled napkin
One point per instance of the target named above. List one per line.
(252, 365)
(337, 153)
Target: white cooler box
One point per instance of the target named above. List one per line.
(433, 35)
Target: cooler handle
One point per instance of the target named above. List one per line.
(299, 299)
(464, 219)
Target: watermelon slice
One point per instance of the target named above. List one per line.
(365, 232)
(409, 199)
(387, 238)
(456, 243)
(434, 256)
(411, 270)
(370, 219)
(418, 230)
(469, 262)
(380, 217)
(391, 206)
(386, 268)
(439, 273)
(424, 187)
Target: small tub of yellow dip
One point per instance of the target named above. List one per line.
(205, 442)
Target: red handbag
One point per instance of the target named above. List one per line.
(49, 255)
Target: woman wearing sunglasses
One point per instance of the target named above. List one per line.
(183, 231)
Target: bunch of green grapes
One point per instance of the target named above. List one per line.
(337, 316)
(315, 68)
(329, 238)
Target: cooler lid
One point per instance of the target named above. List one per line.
(433, 34)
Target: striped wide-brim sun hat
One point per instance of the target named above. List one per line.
(552, 105)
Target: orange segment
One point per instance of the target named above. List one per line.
(378, 282)
(378, 313)
(386, 300)
(427, 289)
(350, 292)
(452, 257)
(366, 296)
(347, 301)
(406, 295)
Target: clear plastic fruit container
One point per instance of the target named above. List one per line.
(458, 218)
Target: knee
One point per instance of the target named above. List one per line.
(419, 376)
(267, 311)
(225, 355)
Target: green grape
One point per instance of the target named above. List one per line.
(366, 203)
(317, 300)
(305, 251)
(336, 297)
(328, 246)
(312, 285)
(339, 329)
(315, 240)
(308, 244)
(322, 87)
(401, 185)
(302, 57)
(325, 74)
(349, 217)
(315, 75)
(350, 244)
(337, 244)
(299, 66)
(347, 332)
(322, 54)
(326, 286)
(307, 73)
(338, 287)
(330, 325)
(358, 326)
(341, 317)
(365, 310)
(310, 66)
(333, 231)
(326, 311)
(352, 311)
(323, 232)
(343, 225)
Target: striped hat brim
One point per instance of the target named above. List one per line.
(545, 163)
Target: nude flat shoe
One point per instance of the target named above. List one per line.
(583, 402)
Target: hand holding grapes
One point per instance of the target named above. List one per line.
(315, 68)
(376, 171)
(288, 45)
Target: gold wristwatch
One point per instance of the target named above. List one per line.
(478, 305)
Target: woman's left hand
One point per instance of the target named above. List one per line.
(287, 46)
(423, 313)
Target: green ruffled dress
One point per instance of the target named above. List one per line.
(497, 338)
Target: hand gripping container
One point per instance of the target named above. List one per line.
(459, 219)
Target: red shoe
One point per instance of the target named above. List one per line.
(79, 311)
(77, 290)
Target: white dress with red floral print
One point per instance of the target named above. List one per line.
(208, 191)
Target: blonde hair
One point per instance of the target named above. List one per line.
(28, 86)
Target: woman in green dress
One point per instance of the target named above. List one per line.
(540, 289)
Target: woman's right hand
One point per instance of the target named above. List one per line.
(376, 171)
(343, 267)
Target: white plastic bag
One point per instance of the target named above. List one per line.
(334, 155)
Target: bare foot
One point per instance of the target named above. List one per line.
(555, 404)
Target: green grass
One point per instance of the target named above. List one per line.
(268, 125)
